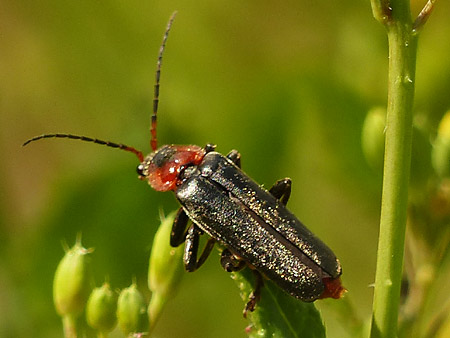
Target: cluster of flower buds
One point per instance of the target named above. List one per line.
(74, 294)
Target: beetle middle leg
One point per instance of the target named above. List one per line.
(282, 190)
(191, 249)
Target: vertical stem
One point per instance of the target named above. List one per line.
(70, 326)
(402, 60)
(155, 308)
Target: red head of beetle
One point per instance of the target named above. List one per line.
(163, 167)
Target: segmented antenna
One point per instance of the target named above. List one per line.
(154, 140)
(89, 139)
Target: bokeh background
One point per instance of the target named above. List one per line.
(287, 83)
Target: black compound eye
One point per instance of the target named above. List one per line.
(140, 170)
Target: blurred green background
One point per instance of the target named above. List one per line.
(287, 83)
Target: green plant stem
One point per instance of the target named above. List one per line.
(402, 60)
(155, 308)
(70, 326)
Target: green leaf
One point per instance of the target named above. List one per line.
(278, 314)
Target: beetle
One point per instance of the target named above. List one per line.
(252, 224)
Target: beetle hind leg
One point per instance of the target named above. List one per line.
(235, 157)
(191, 249)
(282, 190)
(255, 296)
(231, 264)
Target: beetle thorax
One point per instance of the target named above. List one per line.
(163, 167)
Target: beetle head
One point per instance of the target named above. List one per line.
(163, 167)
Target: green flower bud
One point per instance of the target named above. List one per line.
(165, 268)
(73, 281)
(101, 309)
(441, 149)
(372, 137)
(131, 311)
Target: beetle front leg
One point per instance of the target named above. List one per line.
(235, 157)
(230, 263)
(191, 249)
(282, 190)
(256, 293)
(178, 233)
(206, 251)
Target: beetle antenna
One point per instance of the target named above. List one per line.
(89, 139)
(154, 140)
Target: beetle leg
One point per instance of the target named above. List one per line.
(206, 251)
(178, 234)
(235, 157)
(282, 190)
(256, 293)
(230, 263)
(210, 147)
(191, 249)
